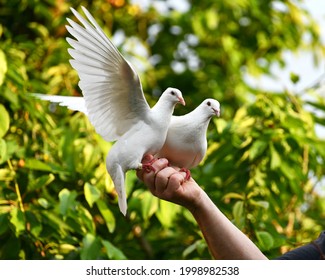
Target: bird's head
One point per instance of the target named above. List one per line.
(211, 107)
(174, 95)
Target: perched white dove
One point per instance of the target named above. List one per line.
(114, 102)
(186, 142)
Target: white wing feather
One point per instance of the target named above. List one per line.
(72, 102)
(112, 90)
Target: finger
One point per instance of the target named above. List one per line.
(162, 179)
(149, 178)
(176, 180)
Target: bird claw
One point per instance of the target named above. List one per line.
(147, 167)
(187, 172)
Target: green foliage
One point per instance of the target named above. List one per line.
(264, 159)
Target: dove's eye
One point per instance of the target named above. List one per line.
(209, 103)
(172, 92)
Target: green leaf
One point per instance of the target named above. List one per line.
(3, 223)
(107, 215)
(232, 195)
(17, 220)
(144, 202)
(35, 226)
(199, 246)
(238, 213)
(92, 194)
(67, 200)
(113, 252)
(3, 67)
(265, 240)
(166, 213)
(41, 182)
(7, 175)
(257, 149)
(43, 202)
(149, 205)
(35, 164)
(260, 203)
(91, 247)
(86, 219)
(3, 151)
(66, 248)
(4, 120)
(275, 158)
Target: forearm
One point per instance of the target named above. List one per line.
(224, 239)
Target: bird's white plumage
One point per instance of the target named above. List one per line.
(186, 142)
(72, 102)
(112, 90)
(114, 101)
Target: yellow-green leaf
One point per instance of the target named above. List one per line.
(107, 215)
(92, 194)
(4, 120)
(3, 67)
(166, 213)
(18, 220)
(265, 240)
(238, 213)
(113, 252)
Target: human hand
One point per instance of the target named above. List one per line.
(169, 184)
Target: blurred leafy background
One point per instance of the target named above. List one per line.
(265, 162)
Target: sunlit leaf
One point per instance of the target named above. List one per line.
(233, 195)
(107, 215)
(112, 251)
(238, 213)
(6, 174)
(92, 194)
(198, 246)
(260, 203)
(17, 220)
(257, 149)
(166, 213)
(43, 202)
(67, 200)
(85, 218)
(4, 120)
(35, 164)
(265, 240)
(148, 202)
(3, 151)
(41, 182)
(3, 68)
(275, 158)
(91, 247)
(66, 248)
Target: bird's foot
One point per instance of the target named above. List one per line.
(147, 167)
(187, 172)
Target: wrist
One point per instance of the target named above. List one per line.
(200, 200)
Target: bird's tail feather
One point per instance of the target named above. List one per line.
(119, 179)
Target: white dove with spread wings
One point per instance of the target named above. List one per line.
(114, 101)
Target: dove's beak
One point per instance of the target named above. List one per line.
(181, 100)
(217, 112)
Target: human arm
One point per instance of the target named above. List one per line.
(224, 239)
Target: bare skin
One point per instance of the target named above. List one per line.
(224, 239)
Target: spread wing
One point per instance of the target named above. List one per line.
(72, 102)
(112, 89)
